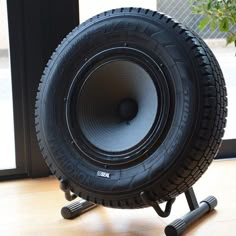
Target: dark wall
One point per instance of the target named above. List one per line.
(35, 29)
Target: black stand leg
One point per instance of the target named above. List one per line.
(178, 226)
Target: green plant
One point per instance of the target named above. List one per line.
(217, 13)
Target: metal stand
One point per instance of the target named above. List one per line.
(176, 228)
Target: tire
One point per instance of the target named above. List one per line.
(187, 130)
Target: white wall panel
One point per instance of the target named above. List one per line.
(89, 8)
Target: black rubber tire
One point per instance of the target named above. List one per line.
(191, 137)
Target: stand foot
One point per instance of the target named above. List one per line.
(178, 226)
(76, 209)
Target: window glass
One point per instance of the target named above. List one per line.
(7, 144)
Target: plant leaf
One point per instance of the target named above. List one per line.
(231, 38)
(224, 25)
(213, 24)
(203, 23)
(209, 5)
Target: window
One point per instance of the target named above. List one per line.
(7, 143)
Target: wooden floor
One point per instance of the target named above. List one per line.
(32, 207)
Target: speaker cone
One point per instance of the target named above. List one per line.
(117, 106)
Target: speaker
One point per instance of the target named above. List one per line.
(130, 102)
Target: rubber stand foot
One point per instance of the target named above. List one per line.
(211, 201)
(175, 228)
(76, 209)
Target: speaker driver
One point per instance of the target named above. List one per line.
(117, 106)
